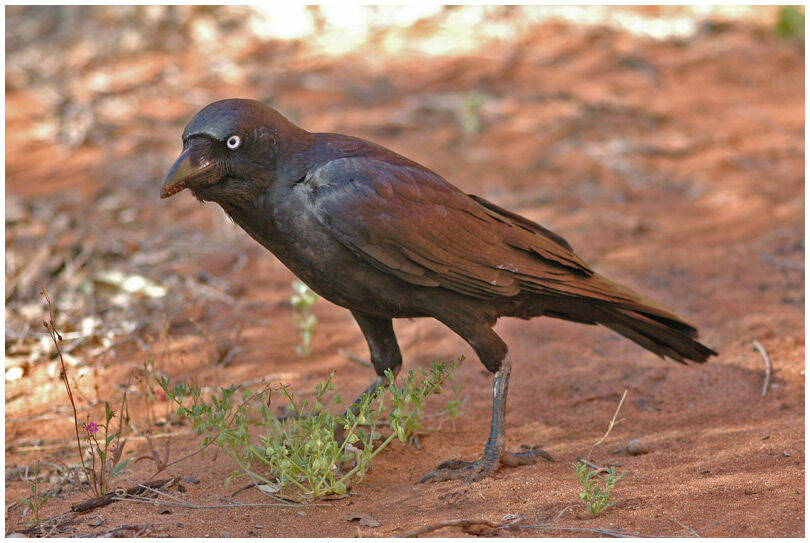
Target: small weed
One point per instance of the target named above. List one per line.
(301, 455)
(469, 112)
(105, 456)
(37, 500)
(302, 302)
(594, 497)
(791, 22)
(453, 405)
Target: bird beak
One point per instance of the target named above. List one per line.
(187, 172)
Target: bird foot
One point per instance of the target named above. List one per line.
(483, 467)
(460, 469)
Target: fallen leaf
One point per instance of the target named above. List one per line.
(268, 488)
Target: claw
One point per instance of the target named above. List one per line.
(524, 458)
(454, 465)
(483, 467)
(454, 469)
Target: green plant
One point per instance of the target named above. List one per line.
(105, 457)
(37, 500)
(593, 495)
(303, 456)
(469, 111)
(302, 302)
(452, 407)
(791, 22)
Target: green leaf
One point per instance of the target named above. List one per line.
(119, 468)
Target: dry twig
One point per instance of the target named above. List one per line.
(601, 531)
(354, 358)
(758, 346)
(127, 530)
(597, 469)
(613, 422)
(685, 527)
(51, 525)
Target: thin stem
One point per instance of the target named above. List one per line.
(51, 328)
(613, 422)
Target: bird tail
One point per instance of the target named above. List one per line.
(638, 318)
(664, 336)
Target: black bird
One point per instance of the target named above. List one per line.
(385, 237)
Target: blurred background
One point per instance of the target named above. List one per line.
(665, 143)
(540, 108)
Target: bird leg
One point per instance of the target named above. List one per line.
(385, 355)
(494, 449)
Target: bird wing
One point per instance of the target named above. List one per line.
(407, 221)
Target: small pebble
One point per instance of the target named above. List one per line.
(636, 447)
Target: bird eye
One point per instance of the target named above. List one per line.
(234, 142)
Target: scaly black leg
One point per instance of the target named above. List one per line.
(382, 346)
(384, 351)
(494, 448)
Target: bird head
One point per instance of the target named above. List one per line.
(230, 150)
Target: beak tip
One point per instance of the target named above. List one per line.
(186, 173)
(171, 188)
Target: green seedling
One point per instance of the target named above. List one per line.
(596, 497)
(593, 495)
(790, 24)
(37, 500)
(469, 112)
(302, 301)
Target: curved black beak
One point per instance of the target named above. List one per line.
(185, 172)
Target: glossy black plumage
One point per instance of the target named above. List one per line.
(385, 237)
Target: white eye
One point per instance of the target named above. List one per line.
(234, 142)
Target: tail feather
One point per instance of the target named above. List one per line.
(666, 337)
(638, 318)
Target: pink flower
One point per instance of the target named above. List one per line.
(92, 428)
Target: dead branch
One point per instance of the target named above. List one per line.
(51, 525)
(109, 497)
(758, 346)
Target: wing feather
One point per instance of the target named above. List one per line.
(408, 221)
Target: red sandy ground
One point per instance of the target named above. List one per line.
(676, 168)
